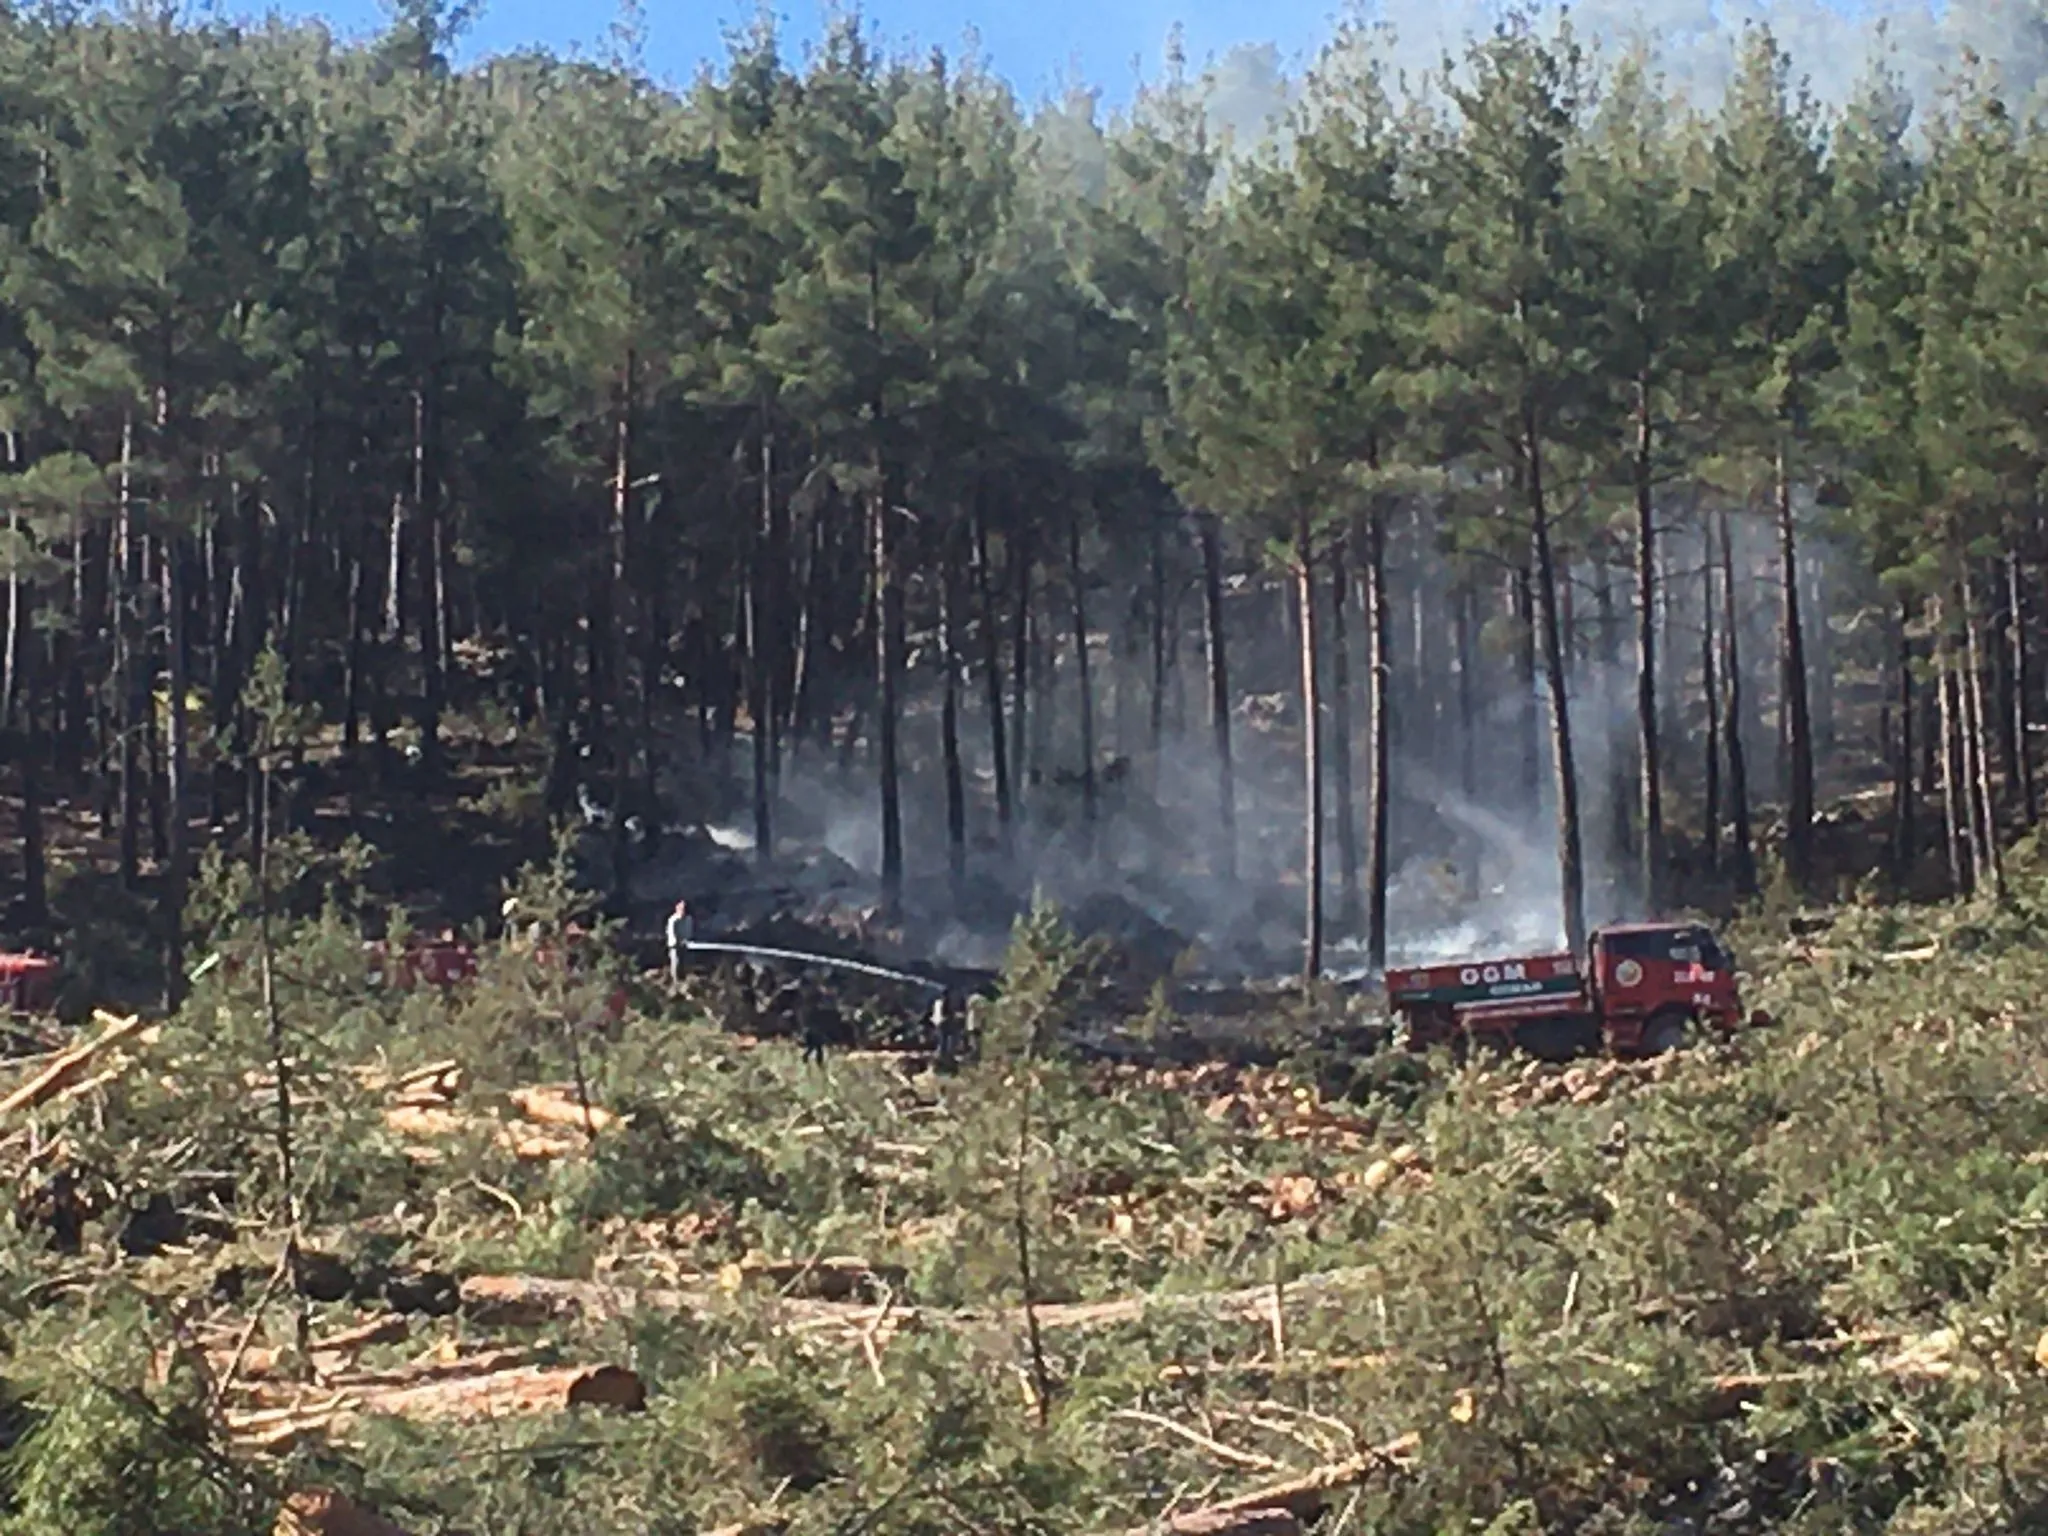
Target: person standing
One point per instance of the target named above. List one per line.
(682, 928)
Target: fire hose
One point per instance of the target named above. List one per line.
(695, 946)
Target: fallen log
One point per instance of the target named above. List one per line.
(517, 1391)
(1260, 1512)
(70, 1065)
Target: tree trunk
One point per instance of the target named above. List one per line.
(2018, 668)
(760, 684)
(426, 501)
(1078, 584)
(1157, 617)
(10, 660)
(178, 814)
(1379, 623)
(1340, 749)
(1466, 620)
(889, 679)
(1905, 834)
(1219, 699)
(1954, 796)
(992, 671)
(35, 908)
(1311, 749)
(1798, 724)
(1743, 844)
(949, 717)
(1993, 860)
(128, 663)
(1570, 870)
(1652, 848)
(1710, 818)
(1019, 558)
(1522, 601)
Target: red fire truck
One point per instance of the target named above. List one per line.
(29, 983)
(1645, 988)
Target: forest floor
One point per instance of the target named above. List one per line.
(525, 1274)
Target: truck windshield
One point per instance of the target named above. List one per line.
(1683, 946)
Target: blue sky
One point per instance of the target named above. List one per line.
(1035, 44)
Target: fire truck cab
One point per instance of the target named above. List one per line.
(1642, 990)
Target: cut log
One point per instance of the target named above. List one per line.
(519, 1391)
(70, 1065)
(1251, 1522)
(555, 1105)
(530, 1300)
(325, 1512)
(425, 1120)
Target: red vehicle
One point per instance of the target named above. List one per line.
(28, 983)
(1645, 988)
(442, 962)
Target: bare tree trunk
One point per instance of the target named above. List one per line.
(1961, 869)
(1744, 845)
(1798, 723)
(1467, 600)
(1523, 603)
(1652, 848)
(1340, 750)
(1311, 748)
(1571, 873)
(10, 661)
(992, 671)
(1019, 559)
(128, 664)
(1157, 616)
(35, 908)
(1219, 699)
(1078, 581)
(426, 503)
(1379, 621)
(1905, 834)
(889, 672)
(2018, 669)
(1710, 819)
(949, 716)
(761, 687)
(178, 814)
(1993, 863)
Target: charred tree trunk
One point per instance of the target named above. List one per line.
(1340, 750)
(1379, 622)
(1571, 873)
(1797, 714)
(1742, 844)
(992, 671)
(1648, 762)
(1219, 697)
(1311, 750)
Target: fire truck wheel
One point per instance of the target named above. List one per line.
(1669, 1030)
